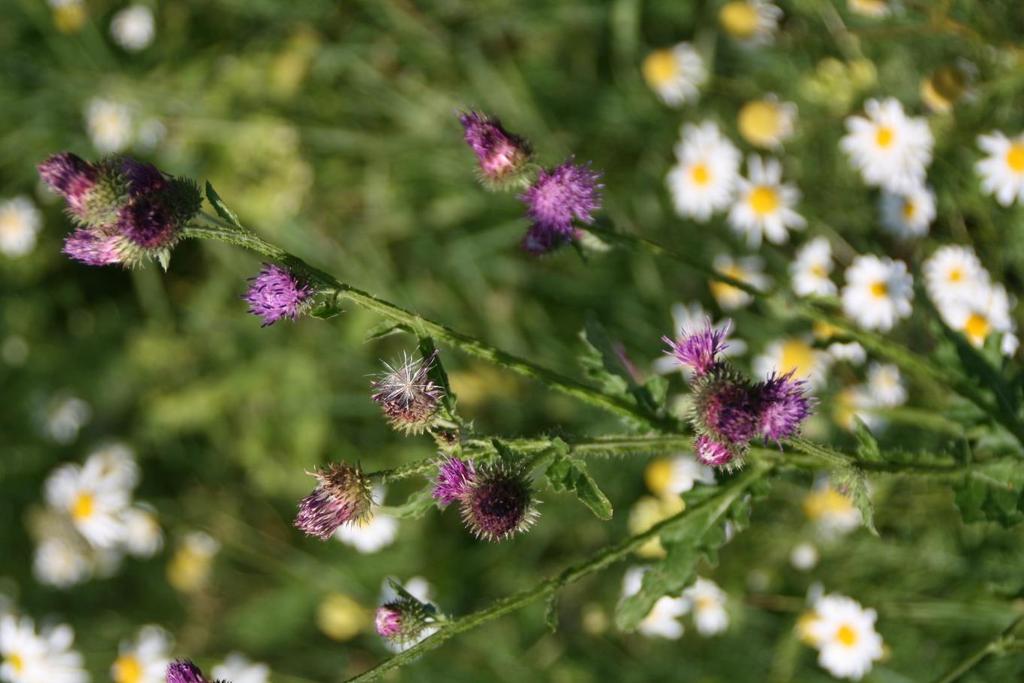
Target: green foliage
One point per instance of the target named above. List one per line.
(566, 473)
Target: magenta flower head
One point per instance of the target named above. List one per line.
(567, 192)
(727, 413)
(699, 350)
(784, 406)
(455, 479)
(85, 246)
(184, 671)
(70, 176)
(711, 452)
(407, 395)
(403, 620)
(342, 496)
(277, 293)
(500, 503)
(502, 156)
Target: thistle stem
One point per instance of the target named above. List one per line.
(995, 646)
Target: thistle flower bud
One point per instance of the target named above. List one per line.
(342, 496)
(727, 412)
(712, 453)
(502, 156)
(499, 504)
(184, 671)
(402, 621)
(784, 406)
(277, 293)
(455, 479)
(407, 395)
(557, 197)
(699, 350)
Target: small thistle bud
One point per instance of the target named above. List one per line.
(455, 479)
(557, 197)
(402, 621)
(500, 502)
(712, 453)
(502, 156)
(70, 176)
(184, 671)
(699, 350)
(277, 293)
(342, 496)
(784, 406)
(87, 247)
(407, 395)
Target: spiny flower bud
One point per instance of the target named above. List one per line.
(277, 293)
(402, 621)
(712, 453)
(699, 350)
(502, 156)
(727, 412)
(407, 395)
(499, 504)
(342, 496)
(784, 406)
(455, 479)
(184, 671)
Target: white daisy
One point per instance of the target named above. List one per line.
(190, 566)
(110, 125)
(851, 352)
(909, 214)
(753, 22)
(854, 403)
(766, 122)
(59, 562)
(45, 657)
(93, 504)
(663, 619)
(20, 222)
(686, 319)
(370, 536)
(803, 557)
(811, 267)
(987, 312)
(65, 417)
(764, 204)
(133, 27)
(885, 385)
(954, 274)
(144, 659)
(877, 292)
(114, 465)
(749, 269)
(675, 73)
(794, 355)
(142, 534)
(676, 475)
(1002, 171)
(703, 178)
(889, 148)
(238, 668)
(708, 603)
(844, 633)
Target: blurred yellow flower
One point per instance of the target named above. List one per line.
(189, 568)
(69, 16)
(340, 617)
(869, 8)
(657, 475)
(648, 511)
(766, 122)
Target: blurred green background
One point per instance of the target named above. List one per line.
(329, 127)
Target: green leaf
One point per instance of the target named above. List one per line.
(437, 373)
(414, 507)
(852, 482)
(867, 444)
(326, 308)
(604, 364)
(385, 329)
(570, 474)
(222, 210)
(551, 612)
(992, 493)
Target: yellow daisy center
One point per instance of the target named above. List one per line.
(10, 223)
(701, 174)
(739, 19)
(658, 475)
(69, 17)
(955, 275)
(884, 136)
(660, 67)
(764, 200)
(127, 669)
(797, 356)
(1015, 157)
(83, 507)
(16, 662)
(846, 635)
(760, 122)
(818, 270)
(908, 210)
(977, 328)
(879, 289)
(705, 602)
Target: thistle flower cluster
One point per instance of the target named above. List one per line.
(495, 498)
(126, 211)
(404, 620)
(555, 199)
(184, 671)
(342, 496)
(406, 394)
(729, 410)
(277, 293)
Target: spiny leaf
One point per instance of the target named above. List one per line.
(854, 484)
(570, 474)
(992, 493)
(867, 444)
(221, 208)
(437, 373)
(605, 364)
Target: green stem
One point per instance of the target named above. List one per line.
(425, 327)
(995, 646)
(610, 555)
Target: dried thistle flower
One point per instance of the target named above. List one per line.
(407, 395)
(342, 496)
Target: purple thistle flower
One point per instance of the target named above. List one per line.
(184, 671)
(277, 293)
(567, 191)
(147, 224)
(542, 238)
(342, 496)
(407, 395)
(403, 620)
(70, 176)
(388, 621)
(142, 178)
(499, 504)
(784, 406)
(729, 409)
(455, 478)
(87, 247)
(501, 154)
(699, 350)
(711, 452)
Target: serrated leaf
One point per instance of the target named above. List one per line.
(992, 493)
(414, 507)
(867, 444)
(854, 484)
(326, 309)
(605, 364)
(569, 474)
(437, 373)
(385, 329)
(220, 207)
(551, 612)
